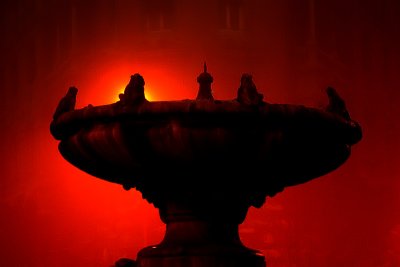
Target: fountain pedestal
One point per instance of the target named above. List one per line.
(200, 236)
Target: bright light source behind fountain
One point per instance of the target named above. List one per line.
(148, 94)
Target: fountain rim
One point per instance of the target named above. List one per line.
(226, 112)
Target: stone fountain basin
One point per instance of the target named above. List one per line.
(201, 144)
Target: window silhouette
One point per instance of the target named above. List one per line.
(159, 14)
(230, 15)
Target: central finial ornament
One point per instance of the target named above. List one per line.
(205, 79)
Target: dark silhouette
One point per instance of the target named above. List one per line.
(67, 103)
(253, 150)
(134, 91)
(205, 80)
(247, 93)
(124, 262)
(336, 104)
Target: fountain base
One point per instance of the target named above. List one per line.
(194, 243)
(199, 234)
(210, 257)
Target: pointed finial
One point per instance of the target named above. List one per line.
(205, 79)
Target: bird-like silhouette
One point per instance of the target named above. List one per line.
(336, 104)
(134, 91)
(247, 92)
(67, 103)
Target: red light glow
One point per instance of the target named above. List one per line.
(55, 215)
(105, 87)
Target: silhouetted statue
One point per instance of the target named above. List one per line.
(336, 104)
(134, 91)
(205, 80)
(67, 103)
(247, 93)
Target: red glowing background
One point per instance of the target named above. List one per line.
(55, 215)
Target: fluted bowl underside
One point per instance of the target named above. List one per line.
(198, 145)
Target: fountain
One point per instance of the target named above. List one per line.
(203, 163)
